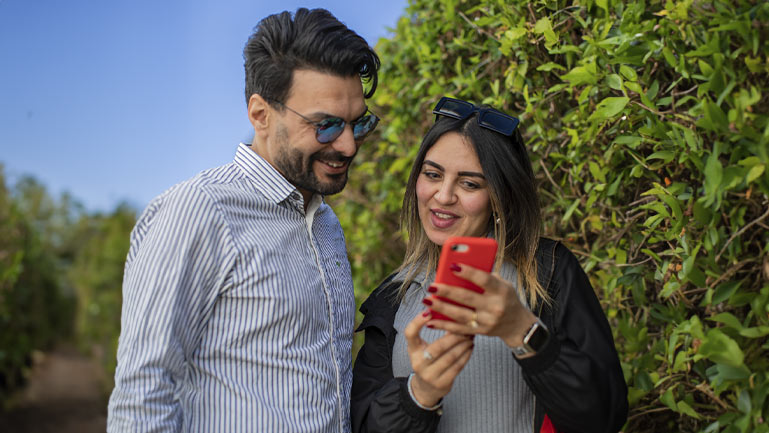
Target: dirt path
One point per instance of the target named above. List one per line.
(63, 396)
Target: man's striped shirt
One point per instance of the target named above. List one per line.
(238, 309)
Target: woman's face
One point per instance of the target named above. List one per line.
(452, 193)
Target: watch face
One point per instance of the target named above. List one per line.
(538, 338)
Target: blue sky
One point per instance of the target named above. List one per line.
(118, 100)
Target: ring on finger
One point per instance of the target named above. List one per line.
(427, 355)
(473, 323)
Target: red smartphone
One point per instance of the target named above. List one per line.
(476, 252)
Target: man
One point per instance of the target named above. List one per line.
(238, 302)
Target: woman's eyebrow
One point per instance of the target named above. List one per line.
(472, 174)
(461, 173)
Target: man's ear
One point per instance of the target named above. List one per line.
(259, 113)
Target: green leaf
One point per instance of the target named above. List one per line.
(635, 87)
(665, 155)
(544, 26)
(684, 408)
(614, 81)
(549, 66)
(579, 75)
(720, 348)
(714, 172)
(609, 108)
(727, 319)
(743, 401)
(628, 72)
(714, 119)
(725, 291)
(754, 173)
(570, 210)
(631, 141)
(515, 33)
(755, 332)
(668, 400)
(721, 372)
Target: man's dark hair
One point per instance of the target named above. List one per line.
(310, 39)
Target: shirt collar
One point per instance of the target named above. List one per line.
(267, 179)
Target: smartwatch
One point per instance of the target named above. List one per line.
(534, 340)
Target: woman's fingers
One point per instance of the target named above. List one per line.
(453, 370)
(457, 313)
(448, 352)
(482, 279)
(457, 294)
(412, 330)
(456, 327)
(434, 378)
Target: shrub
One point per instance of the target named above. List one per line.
(648, 129)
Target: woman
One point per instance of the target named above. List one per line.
(534, 349)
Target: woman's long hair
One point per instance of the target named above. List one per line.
(514, 204)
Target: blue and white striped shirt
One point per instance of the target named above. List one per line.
(238, 310)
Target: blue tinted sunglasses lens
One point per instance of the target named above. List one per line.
(363, 126)
(329, 129)
(497, 121)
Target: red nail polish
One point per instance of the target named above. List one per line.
(425, 314)
(432, 289)
(431, 326)
(455, 267)
(427, 302)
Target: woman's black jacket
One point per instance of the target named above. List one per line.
(576, 378)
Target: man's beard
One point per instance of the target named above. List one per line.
(296, 167)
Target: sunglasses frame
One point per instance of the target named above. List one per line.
(321, 124)
(483, 115)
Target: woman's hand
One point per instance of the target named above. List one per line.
(436, 364)
(496, 312)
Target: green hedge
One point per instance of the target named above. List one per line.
(97, 275)
(647, 124)
(35, 311)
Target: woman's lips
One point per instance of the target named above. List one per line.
(442, 219)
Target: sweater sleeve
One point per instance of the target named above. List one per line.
(379, 401)
(577, 376)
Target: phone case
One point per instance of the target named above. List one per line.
(476, 252)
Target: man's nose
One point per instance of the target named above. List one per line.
(345, 143)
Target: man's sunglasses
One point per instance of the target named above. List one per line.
(330, 128)
(488, 118)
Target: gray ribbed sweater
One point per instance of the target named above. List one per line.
(489, 395)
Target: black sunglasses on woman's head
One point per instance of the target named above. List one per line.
(488, 118)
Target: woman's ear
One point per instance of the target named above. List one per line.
(258, 114)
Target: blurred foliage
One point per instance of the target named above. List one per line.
(60, 278)
(97, 274)
(647, 124)
(35, 310)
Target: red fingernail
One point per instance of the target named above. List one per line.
(431, 326)
(432, 289)
(427, 302)
(455, 267)
(425, 314)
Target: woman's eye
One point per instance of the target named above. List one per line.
(471, 185)
(431, 174)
